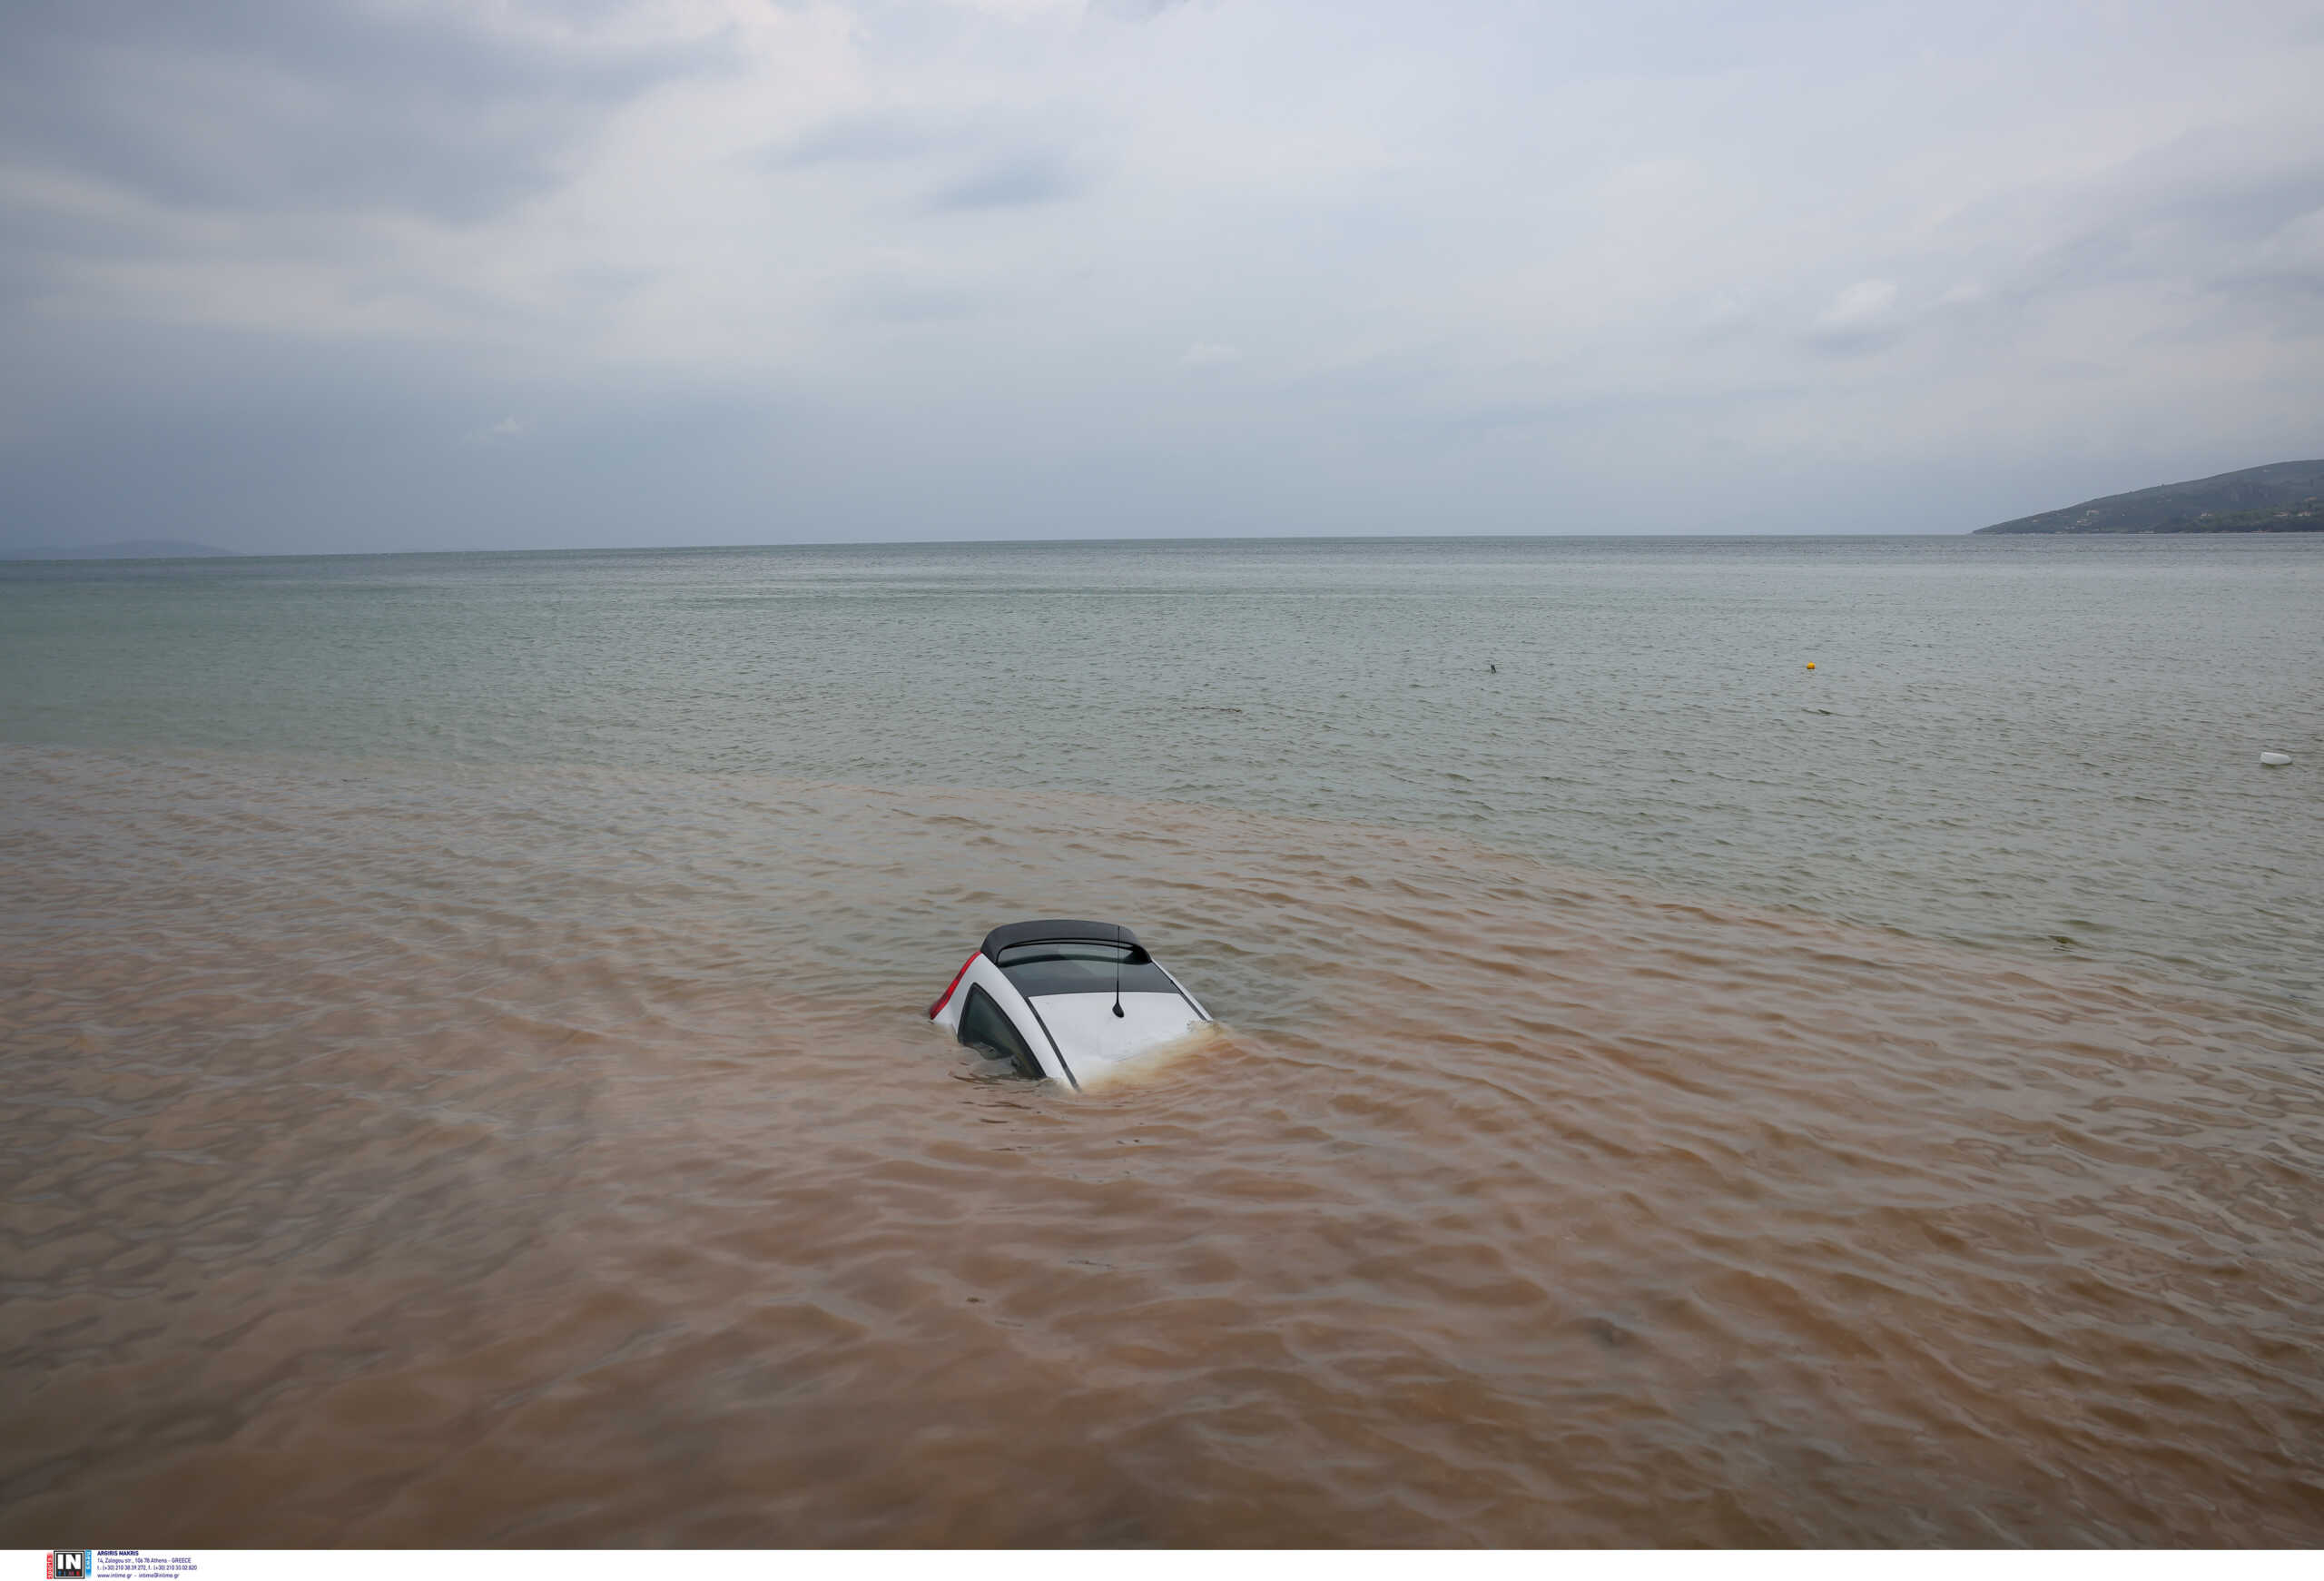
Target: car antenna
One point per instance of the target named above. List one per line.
(1117, 980)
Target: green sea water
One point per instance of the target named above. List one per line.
(2042, 744)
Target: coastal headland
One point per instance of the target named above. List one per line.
(2282, 496)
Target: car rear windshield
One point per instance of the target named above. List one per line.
(1078, 966)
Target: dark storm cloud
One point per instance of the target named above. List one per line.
(308, 104)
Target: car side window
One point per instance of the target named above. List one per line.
(984, 1025)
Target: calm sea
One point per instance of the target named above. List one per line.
(464, 1017)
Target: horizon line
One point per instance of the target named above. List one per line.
(37, 555)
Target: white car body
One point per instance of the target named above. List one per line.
(1071, 1001)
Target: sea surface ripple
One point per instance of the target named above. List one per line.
(462, 1019)
(553, 1155)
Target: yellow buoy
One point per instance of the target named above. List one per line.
(1811, 667)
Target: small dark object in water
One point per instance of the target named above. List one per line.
(1608, 1333)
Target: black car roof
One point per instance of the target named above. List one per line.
(1055, 929)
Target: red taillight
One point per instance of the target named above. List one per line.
(946, 997)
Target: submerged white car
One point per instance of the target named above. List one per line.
(1071, 1001)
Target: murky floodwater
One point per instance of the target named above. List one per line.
(544, 1146)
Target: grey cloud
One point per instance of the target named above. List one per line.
(2204, 211)
(903, 301)
(608, 285)
(2254, 207)
(1134, 10)
(1426, 227)
(266, 104)
(1005, 173)
(1860, 319)
(2235, 216)
(1015, 181)
(2289, 278)
(253, 445)
(1670, 38)
(867, 139)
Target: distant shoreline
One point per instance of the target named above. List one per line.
(2282, 496)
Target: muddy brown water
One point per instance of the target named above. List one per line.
(470, 1156)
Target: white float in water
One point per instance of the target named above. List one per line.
(2275, 759)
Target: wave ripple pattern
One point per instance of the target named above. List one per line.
(548, 1155)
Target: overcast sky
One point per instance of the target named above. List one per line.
(378, 274)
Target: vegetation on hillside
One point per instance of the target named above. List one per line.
(2284, 496)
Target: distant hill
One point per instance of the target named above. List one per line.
(139, 549)
(2287, 497)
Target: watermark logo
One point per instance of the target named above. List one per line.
(69, 1565)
